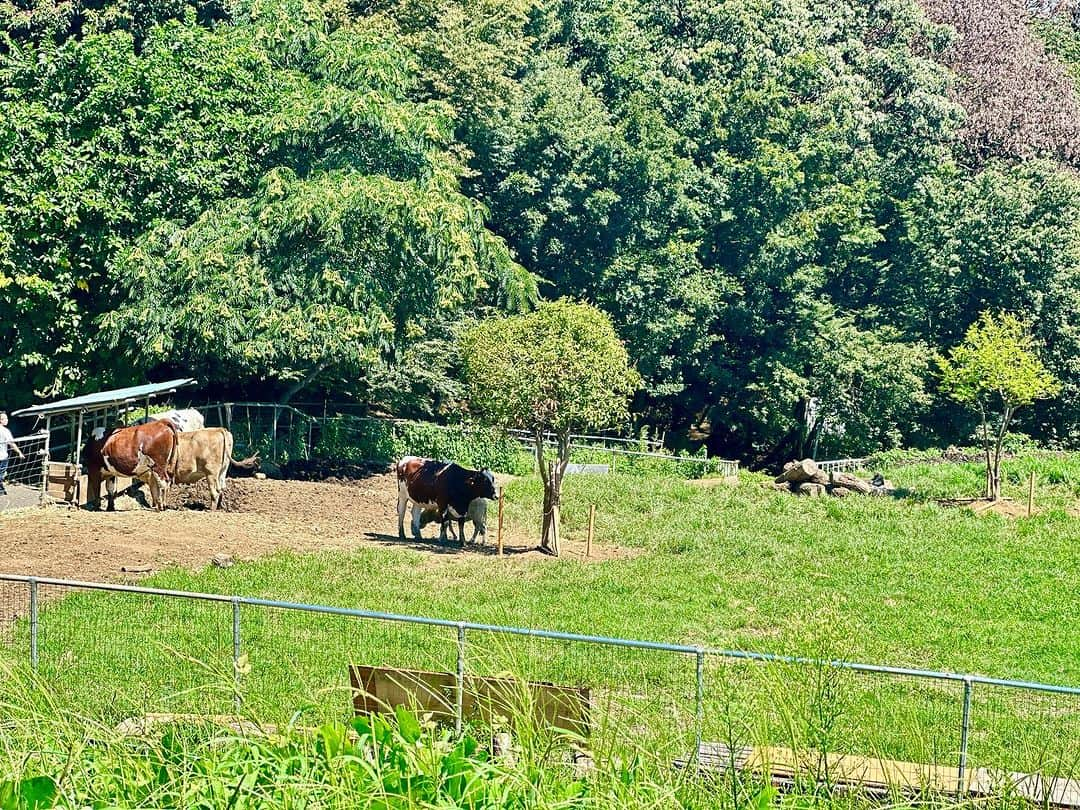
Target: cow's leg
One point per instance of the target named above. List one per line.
(93, 490)
(461, 531)
(217, 501)
(110, 491)
(417, 512)
(402, 503)
(162, 490)
(215, 492)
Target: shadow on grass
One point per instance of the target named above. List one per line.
(434, 545)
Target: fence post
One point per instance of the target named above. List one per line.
(498, 535)
(1031, 493)
(965, 726)
(592, 526)
(236, 651)
(459, 698)
(699, 709)
(273, 434)
(33, 624)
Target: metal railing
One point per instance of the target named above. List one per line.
(282, 431)
(842, 465)
(125, 648)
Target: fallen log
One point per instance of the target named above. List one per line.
(852, 482)
(802, 472)
(811, 489)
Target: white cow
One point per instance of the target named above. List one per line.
(186, 420)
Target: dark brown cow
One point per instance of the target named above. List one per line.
(144, 452)
(445, 487)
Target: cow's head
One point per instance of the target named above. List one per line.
(486, 482)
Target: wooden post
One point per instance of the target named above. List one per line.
(498, 534)
(592, 524)
(273, 433)
(1031, 492)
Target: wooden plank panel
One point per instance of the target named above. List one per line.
(879, 775)
(381, 689)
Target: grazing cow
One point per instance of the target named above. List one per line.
(185, 420)
(207, 454)
(447, 488)
(144, 452)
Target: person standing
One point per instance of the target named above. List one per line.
(6, 441)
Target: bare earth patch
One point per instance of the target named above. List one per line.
(1006, 507)
(259, 517)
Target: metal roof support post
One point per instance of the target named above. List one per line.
(45, 461)
(77, 461)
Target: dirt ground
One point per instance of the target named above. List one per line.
(260, 517)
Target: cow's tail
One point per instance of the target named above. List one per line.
(249, 463)
(174, 453)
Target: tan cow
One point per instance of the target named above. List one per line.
(207, 454)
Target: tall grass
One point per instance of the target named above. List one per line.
(52, 757)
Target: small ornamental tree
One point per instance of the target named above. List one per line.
(997, 370)
(558, 369)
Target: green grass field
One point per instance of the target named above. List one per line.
(899, 581)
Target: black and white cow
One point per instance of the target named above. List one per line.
(448, 489)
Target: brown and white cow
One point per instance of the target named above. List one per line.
(447, 488)
(144, 452)
(207, 454)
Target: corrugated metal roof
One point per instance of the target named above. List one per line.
(103, 399)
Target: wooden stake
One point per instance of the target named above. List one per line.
(498, 535)
(592, 524)
(1031, 492)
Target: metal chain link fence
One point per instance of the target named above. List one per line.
(117, 651)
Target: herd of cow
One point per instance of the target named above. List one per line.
(175, 447)
(171, 448)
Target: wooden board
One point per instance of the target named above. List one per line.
(882, 776)
(381, 689)
(63, 481)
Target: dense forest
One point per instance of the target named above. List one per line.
(786, 207)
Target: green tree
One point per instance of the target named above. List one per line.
(997, 370)
(556, 370)
(258, 200)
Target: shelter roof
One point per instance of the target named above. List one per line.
(105, 399)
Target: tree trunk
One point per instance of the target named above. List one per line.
(551, 473)
(995, 477)
(303, 382)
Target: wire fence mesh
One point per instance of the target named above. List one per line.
(23, 467)
(116, 652)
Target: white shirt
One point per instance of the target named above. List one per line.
(5, 437)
